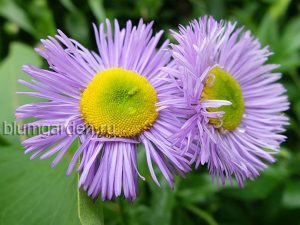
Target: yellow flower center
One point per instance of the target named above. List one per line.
(119, 103)
(223, 86)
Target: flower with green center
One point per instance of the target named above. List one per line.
(221, 85)
(107, 100)
(230, 102)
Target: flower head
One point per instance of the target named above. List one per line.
(111, 95)
(230, 101)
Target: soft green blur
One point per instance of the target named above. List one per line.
(33, 194)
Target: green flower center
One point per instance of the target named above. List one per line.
(223, 86)
(119, 103)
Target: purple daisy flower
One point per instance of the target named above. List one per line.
(110, 99)
(230, 101)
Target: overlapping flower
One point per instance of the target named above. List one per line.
(216, 103)
(112, 94)
(230, 101)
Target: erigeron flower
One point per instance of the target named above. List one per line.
(113, 94)
(230, 102)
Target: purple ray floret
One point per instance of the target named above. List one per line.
(108, 165)
(244, 152)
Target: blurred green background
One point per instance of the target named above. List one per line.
(33, 194)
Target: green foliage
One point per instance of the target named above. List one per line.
(32, 193)
(89, 211)
(14, 13)
(10, 70)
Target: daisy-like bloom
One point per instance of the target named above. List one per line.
(110, 98)
(230, 101)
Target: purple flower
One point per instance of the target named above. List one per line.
(107, 100)
(230, 102)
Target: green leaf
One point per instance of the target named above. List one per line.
(163, 202)
(160, 205)
(202, 214)
(216, 8)
(98, 10)
(268, 31)
(148, 8)
(32, 193)
(287, 48)
(12, 12)
(296, 109)
(42, 17)
(196, 188)
(3, 141)
(78, 19)
(68, 4)
(10, 72)
(279, 8)
(263, 185)
(290, 38)
(90, 212)
(291, 195)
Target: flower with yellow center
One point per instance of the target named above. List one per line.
(107, 100)
(119, 103)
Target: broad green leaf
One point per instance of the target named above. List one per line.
(10, 72)
(32, 193)
(90, 212)
(12, 12)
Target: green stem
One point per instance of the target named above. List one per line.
(201, 213)
(122, 212)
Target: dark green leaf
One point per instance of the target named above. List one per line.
(291, 195)
(196, 188)
(262, 186)
(202, 214)
(68, 4)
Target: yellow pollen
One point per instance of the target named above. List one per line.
(119, 103)
(222, 86)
